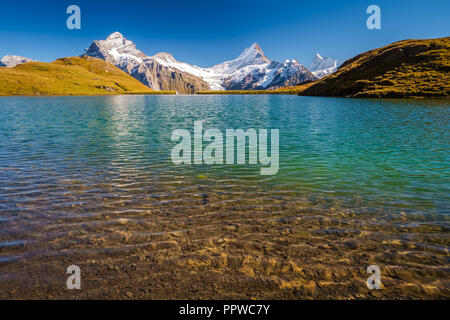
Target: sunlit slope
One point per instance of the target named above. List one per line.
(404, 69)
(68, 76)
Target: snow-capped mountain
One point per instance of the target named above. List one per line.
(118, 51)
(251, 70)
(123, 53)
(321, 67)
(251, 61)
(11, 61)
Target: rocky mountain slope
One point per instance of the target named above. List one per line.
(68, 76)
(11, 61)
(404, 69)
(123, 53)
(251, 70)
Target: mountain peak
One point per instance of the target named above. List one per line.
(11, 61)
(115, 36)
(322, 67)
(316, 61)
(253, 55)
(291, 62)
(117, 50)
(255, 46)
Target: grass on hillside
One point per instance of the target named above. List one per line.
(287, 90)
(69, 76)
(404, 69)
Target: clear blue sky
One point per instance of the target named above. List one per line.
(207, 32)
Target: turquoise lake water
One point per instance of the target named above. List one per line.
(390, 155)
(90, 181)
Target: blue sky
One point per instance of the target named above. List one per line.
(207, 32)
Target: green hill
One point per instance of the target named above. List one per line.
(405, 69)
(68, 76)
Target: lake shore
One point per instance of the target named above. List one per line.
(299, 253)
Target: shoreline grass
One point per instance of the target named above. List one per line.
(92, 95)
(287, 91)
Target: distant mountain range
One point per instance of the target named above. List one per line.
(11, 61)
(322, 67)
(252, 70)
(404, 69)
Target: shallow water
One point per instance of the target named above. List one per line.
(360, 181)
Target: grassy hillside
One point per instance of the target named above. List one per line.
(405, 69)
(68, 76)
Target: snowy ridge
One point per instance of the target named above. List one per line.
(252, 63)
(212, 78)
(118, 51)
(251, 70)
(321, 67)
(11, 61)
(251, 60)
